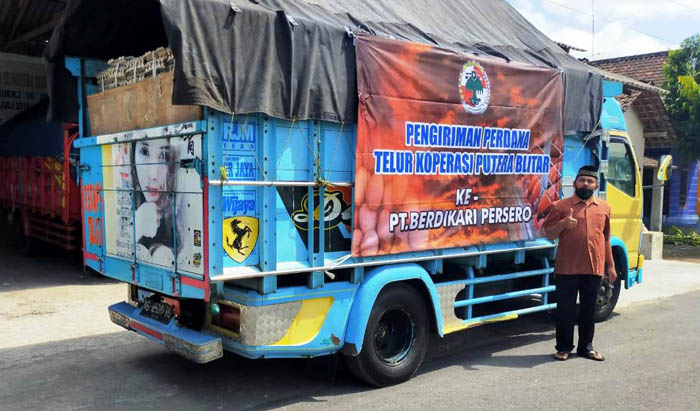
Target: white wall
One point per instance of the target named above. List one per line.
(635, 129)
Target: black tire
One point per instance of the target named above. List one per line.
(24, 241)
(17, 230)
(396, 338)
(27, 245)
(608, 294)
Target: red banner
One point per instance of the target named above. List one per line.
(452, 149)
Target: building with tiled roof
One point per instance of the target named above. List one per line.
(648, 68)
(649, 112)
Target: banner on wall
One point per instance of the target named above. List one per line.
(453, 149)
(22, 84)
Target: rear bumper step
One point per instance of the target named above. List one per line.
(193, 345)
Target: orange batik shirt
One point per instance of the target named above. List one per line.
(584, 249)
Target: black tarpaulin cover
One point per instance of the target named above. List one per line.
(296, 59)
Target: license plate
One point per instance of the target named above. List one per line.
(157, 310)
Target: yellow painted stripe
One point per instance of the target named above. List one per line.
(308, 322)
(459, 327)
(108, 172)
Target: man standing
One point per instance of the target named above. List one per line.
(582, 223)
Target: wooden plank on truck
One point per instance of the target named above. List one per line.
(144, 104)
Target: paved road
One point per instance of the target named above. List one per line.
(58, 350)
(651, 348)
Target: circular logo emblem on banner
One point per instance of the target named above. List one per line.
(474, 88)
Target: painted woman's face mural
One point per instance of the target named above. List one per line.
(153, 207)
(152, 158)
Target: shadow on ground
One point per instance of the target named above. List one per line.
(126, 370)
(49, 268)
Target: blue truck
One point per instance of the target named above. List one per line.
(241, 232)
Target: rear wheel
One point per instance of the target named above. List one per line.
(24, 241)
(396, 338)
(27, 246)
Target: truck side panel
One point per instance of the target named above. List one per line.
(301, 153)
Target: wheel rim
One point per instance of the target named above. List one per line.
(393, 337)
(605, 293)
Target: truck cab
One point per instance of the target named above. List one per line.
(622, 187)
(610, 149)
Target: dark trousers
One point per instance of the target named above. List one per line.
(568, 287)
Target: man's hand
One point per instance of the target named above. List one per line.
(569, 221)
(611, 274)
(558, 227)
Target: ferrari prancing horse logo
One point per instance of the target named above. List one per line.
(240, 237)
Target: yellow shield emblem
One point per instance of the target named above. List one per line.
(240, 237)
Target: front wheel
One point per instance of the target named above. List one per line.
(396, 338)
(607, 297)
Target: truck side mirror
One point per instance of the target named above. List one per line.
(664, 172)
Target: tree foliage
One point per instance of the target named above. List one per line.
(682, 71)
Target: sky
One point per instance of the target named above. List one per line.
(622, 27)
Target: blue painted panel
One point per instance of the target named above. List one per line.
(338, 151)
(149, 276)
(612, 118)
(118, 268)
(292, 147)
(154, 278)
(611, 88)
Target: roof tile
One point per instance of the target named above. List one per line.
(647, 67)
